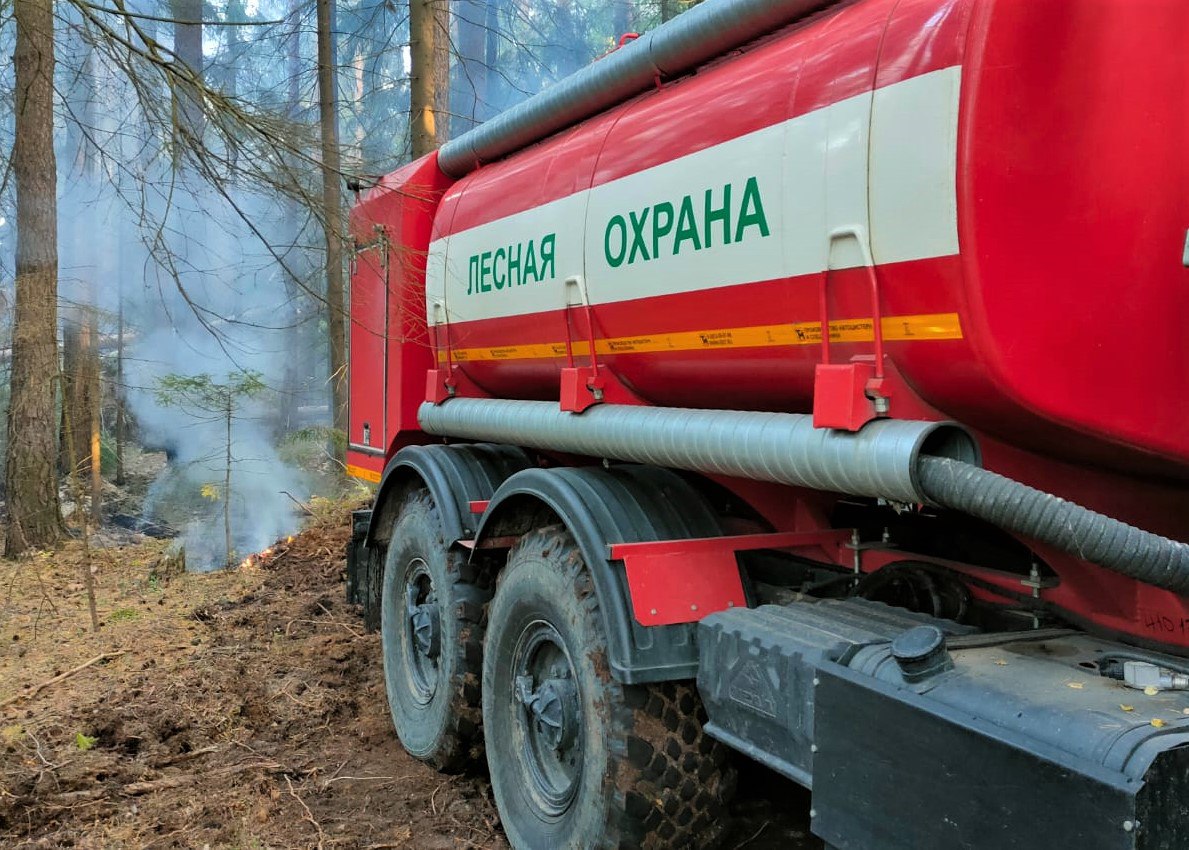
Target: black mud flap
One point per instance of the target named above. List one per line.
(897, 771)
(365, 571)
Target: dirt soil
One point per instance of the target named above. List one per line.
(239, 709)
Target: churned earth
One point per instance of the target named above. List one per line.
(238, 709)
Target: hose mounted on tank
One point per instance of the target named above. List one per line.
(906, 461)
(1064, 525)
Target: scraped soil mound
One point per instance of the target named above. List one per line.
(245, 711)
(240, 709)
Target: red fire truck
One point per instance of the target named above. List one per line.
(803, 380)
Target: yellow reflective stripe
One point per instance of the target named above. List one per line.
(937, 326)
(365, 474)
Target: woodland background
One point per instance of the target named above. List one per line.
(172, 258)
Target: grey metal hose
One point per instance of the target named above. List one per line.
(1064, 525)
(901, 460)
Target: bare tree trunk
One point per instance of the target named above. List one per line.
(495, 80)
(187, 47)
(76, 493)
(81, 390)
(121, 424)
(332, 212)
(34, 517)
(469, 97)
(625, 13)
(227, 487)
(429, 49)
(293, 230)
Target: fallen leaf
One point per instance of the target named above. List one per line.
(1077, 686)
(1127, 707)
(1001, 662)
(1150, 691)
(1157, 722)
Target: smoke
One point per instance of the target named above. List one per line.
(203, 295)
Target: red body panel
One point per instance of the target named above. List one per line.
(1072, 205)
(390, 349)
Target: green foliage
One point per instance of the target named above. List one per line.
(84, 742)
(123, 615)
(107, 456)
(203, 394)
(306, 448)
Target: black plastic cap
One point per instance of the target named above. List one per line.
(921, 652)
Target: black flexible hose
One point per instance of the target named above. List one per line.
(1064, 525)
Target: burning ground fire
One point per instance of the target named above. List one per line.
(265, 556)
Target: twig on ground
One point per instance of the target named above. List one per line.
(190, 756)
(352, 630)
(305, 508)
(309, 816)
(61, 676)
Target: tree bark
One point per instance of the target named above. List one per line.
(294, 223)
(121, 423)
(227, 487)
(625, 13)
(332, 214)
(469, 100)
(187, 47)
(34, 516)
(429, 50)
(81, 390)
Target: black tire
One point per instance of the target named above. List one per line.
(577, 759)
(432, 677)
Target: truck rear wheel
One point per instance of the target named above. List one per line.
(431, 628)
(577, 759)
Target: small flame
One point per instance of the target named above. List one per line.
(264, 554)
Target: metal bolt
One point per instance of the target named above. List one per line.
(1128, 826)
(813, 748)
(730, 604)
(693, 607)
(653, 612)
(813, 813)
(816, 681)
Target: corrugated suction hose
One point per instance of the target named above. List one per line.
(1064, 525)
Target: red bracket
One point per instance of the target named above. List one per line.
(444, 384)
(682, 581)
(845, 394)
(586, 386)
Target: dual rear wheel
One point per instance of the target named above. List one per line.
(577, 759)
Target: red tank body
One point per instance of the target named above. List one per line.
(1013, 174)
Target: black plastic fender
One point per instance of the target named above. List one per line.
(455, 477)
(620, 504)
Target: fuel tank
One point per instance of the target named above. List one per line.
(1002, 182)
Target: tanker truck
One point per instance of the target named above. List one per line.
(801, 382)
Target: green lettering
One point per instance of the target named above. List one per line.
(638, 245)
(485, 272)
(662, 212)
(547, 245)
(530, 264)
(687, 227)
(473, 275)
(495, 268)
(616, 257)
(751, 213)
(718, 214)
(514, 264)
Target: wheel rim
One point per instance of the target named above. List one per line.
(548, 723)
(423, 631)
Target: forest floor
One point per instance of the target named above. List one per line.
(238, 709)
